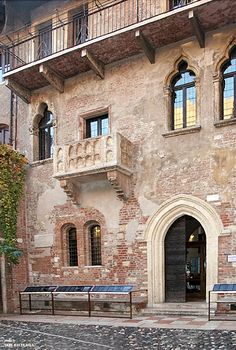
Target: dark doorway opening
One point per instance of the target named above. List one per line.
(185, 261)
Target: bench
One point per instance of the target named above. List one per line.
(222, 289)
(95, 299)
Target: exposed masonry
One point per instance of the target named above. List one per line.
(199, 164)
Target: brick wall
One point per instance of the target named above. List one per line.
(201, 164)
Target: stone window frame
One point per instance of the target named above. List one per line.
(192, 66)
(34, 131)
(218, 87)
(95, 113)
(87, 244)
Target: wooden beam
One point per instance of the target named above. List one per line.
(197, 28)
(145, 46)
(52, 77)
(19, 90)
(96, 65)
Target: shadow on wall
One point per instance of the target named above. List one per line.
(2, 15)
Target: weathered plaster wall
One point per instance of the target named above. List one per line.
(200, 163)
(5, 104)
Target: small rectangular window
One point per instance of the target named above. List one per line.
(97, 126)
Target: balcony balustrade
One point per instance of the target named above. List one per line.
(100, 33)
(106, 157)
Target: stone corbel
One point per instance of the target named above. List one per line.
(96, 66)
(71, 190)
(145, 45)
(197, 28)
(120, 182)
(19, 90)
(52, 77)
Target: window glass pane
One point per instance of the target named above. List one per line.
(185, 78)
(4, 135)
(228, 97)
(105, 127)
(97, 126)
(232, 66)
(94, 128)
(51, 141)
(191, 106)
(178, 109)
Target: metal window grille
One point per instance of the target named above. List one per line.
(72, 245)
(95, 245)
(46, 136)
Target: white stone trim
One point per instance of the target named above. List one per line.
(155, 233)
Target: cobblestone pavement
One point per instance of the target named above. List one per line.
(58, 336)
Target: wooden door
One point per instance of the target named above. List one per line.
(175, 261)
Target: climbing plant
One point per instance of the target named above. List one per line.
(12, 178)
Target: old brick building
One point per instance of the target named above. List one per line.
(126, 111)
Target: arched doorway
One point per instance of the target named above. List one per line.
(185, 261)
(157, 228)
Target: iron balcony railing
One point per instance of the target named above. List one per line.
(88, 23)
(178, 3)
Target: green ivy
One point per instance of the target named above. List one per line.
(12, 179)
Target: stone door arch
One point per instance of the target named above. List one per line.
(156, 231)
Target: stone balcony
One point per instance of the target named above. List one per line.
(108, 157)
(113, 32)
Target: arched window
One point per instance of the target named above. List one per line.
(183, 98)
(72, 247)
(229, 87)
(95, 245)
(4, 134)
(46, 135)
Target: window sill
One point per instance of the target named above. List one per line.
(83, 267)
(41, 162)
(70, 267)
(184, 131)
(225, 122)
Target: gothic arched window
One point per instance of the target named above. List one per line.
(183, 98)
(229, 87)
(46, 135)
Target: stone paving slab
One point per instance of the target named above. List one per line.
(60, 336)
(178, 322)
